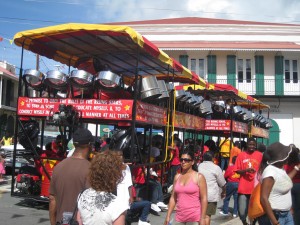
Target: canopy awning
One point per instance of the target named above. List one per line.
(122, 48)
(224, 91)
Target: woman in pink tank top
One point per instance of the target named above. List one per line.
(189, 194)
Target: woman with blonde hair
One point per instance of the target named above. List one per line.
(99, 204)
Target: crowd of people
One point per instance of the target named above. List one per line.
(105, 190)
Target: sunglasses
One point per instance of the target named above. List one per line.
(185, 160)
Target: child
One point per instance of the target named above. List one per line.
(2, 166)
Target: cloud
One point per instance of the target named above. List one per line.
(255, 10)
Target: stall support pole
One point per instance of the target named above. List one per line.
(17, 125)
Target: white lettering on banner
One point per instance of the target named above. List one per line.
(101, 108)
(25, 111)
(35, 100)
(100, 102)
(123, 116)
(93, 114)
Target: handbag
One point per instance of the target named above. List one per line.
(73, 220)
(255, 209)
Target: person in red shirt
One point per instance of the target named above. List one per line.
(232, 184)
(247, 164)
(175, 163)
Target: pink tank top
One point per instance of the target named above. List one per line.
(187, 202)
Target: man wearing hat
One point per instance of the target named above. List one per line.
(69, 177)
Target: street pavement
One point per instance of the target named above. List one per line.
(17, 211)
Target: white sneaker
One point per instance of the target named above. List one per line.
(224, 214)
(155, 208)
(234, 215)
(162, 205)
(143, 223)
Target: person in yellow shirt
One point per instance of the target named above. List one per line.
(6, 140)
(225, 147)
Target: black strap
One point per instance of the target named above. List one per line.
(73, 220)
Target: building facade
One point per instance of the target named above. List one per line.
(258, 58)
(8, 98)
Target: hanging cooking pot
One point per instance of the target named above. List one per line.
(219, 106)
(33, 78)
(237, 109)
(192, 100)
(163, 90)
(108, 80)
(187, 96)
(205, 107)
(179, 94)
(81, 79)
(56, 79)
(199, 100)
(150, 88)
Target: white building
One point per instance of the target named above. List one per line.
(8, 97)
(260, 59)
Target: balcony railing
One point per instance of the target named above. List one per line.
(266, 86)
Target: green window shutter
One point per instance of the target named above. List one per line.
(279, 75)
(183, 59)
(259, 71)
(231, 70)
(211, 69)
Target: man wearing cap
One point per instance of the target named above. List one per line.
(69, 177)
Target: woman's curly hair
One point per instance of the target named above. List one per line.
(106, 171)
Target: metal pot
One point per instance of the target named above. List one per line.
(33, 78)
(81, 78)
(187, 96)
(163, 90)
(199, 100)
(56, 79)
(108, 79)
(150, 88)
(192, 100)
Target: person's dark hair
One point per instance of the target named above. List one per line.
(106, 171)
(237, 144)
(234, 159)
(208, 156)
(294, 157)
(48, 146)
(243, 145)
(191, 154)
(251, 139)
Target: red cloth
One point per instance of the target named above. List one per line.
(247, 160)
(176, 160)
(289, 168)
(231, 175)
(139, 176)
(205, 149)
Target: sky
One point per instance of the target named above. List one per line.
(21, 15)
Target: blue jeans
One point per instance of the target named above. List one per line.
(284, 218)
(231, 189)
(157, 193)
(172, 173)
(224, 163)
(143, 206)
(296, 202)
(243, 203)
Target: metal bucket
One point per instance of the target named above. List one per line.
(81, 78)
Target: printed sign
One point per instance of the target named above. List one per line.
(113, 109)
(240, 127)
(188, 121)
(217, 125)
